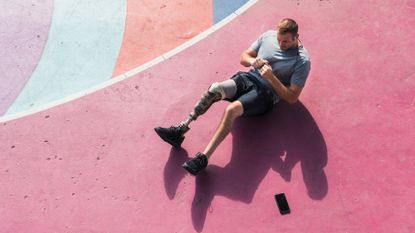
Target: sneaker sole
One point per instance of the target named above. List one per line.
(191, 171)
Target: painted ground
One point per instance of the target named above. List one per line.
(343, 155)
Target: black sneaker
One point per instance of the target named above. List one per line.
(197, 164)
(173, 135)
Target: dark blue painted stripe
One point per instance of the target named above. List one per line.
(223, 8)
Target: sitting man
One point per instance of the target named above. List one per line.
(280, 68)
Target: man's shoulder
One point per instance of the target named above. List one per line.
(303, 54)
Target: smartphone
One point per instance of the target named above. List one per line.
(282, 203)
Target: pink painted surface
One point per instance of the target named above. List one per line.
(24, 31)
(344, 156)
(153, 28)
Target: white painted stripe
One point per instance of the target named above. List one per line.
(134, 71)
(245, 7)
(62, 101)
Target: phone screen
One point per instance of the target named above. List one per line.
(282, 203)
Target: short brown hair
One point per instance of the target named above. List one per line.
(288, 26)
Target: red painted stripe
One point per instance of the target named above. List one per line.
(153, 28)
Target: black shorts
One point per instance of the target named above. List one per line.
(256, 98)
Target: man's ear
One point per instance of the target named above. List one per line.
(295, 37)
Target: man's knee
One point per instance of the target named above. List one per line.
(226, 89)
(234, 109)
(217, 89)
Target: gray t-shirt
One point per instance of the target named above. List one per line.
(291, 66)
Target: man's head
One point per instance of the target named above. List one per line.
(287, 34)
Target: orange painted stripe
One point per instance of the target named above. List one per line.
(155, 27)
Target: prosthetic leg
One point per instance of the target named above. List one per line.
(175, 134)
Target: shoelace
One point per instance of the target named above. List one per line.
(176, 129)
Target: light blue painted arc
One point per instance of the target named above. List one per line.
(82, 49)
(223, 8)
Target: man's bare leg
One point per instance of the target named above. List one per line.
(233, 111)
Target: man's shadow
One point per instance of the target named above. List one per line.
(277, 140)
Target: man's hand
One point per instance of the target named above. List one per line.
(266, 72)
(258, 63)
(289, 94)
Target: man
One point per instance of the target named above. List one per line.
(280, 68)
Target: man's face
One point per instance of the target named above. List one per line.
(286, 41)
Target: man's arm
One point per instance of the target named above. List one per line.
(249, 58)
(289, 94)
